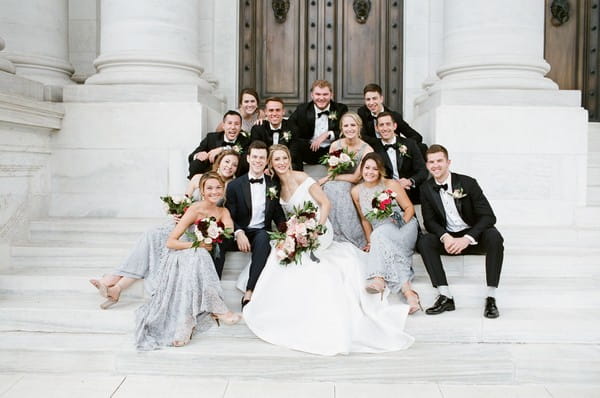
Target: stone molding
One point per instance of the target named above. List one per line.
(23, 111)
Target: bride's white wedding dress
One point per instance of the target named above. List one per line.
(322, 307)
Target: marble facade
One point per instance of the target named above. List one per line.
(151, 83)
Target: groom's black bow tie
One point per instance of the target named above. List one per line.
(228, 142)
(276, 131)
(437, 187)
(388, 146)
(322, 113)
(256, 180)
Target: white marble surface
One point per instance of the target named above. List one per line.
(53, 386)
(527, 391)
(291, 390)
(163, 386)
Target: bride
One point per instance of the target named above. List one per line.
(320, 307)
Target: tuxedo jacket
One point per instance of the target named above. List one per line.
(212, 141)
(304, 119)
(411, 166)
(368, 130)
(239, 203)
(264, 133)
(473, 208)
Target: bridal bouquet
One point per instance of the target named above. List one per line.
(339, 161)
(382, 206)
(298, 235)
(210, 232)
(176, 205)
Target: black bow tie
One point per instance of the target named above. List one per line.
(256, 180)
(437, 187)
(388, 146)
(228, 142)
(276, 131)
(322, 113)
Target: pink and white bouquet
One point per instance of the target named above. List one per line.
(176, 205)
(382, 205)
(298, 235)
(210, 232)
(339, 161)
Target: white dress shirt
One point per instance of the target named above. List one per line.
(391, 152)
(259, 200)
(454, 222)
(322, 126)
(275, 135)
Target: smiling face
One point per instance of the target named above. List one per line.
(349, 126)
(321, 96)
(374, 102)
(212, 190)
(248, 104)
(370, 171)
(232, 125)
(386, 126)
(257, 160)
(438, 165)
(274, 112)
(280, 161)
(228, 166)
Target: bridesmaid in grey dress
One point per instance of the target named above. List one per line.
(188, 297)
(143, 260)
(390, 241)
(343, 215)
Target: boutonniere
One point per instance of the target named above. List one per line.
(458, 193)
(286, 135)
(238, 148)
(245, 134)
(272, 192)
(332, 116)
(403, 150)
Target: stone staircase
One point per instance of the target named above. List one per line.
(548, 330)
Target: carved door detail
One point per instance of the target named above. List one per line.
(571, 48)
(286, 45)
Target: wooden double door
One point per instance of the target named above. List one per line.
(286, 45)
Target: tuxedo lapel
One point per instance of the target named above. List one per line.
(437, 200)
(386, 159)
(399, 157)
(456, 185)
(246, 191)
(310, 117)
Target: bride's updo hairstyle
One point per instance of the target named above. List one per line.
(278, 147)
(209, 175)
(374, 156)
(354, 116)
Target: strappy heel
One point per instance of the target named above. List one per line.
(231, 319)
(414, 302)
(110, 300)
(376, 287)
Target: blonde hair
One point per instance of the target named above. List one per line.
(278, 147)
(354, 116)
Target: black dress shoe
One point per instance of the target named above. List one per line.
(491, 311)
(244, 302)
(442, 304)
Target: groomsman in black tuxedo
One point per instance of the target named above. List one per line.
(460, 220)
(373, 96)
(403, 160)
(213, 144)
(276, 129)
(317, 123)
(253, 211)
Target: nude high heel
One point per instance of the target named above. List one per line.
(376, 287)
(229, 318)
(111, 300)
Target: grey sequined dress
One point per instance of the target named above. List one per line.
(392, 245)
(342, 215)
(188, 290)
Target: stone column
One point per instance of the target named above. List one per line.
(494, 44)
(149, 42)
(36, 34)
(5, 64)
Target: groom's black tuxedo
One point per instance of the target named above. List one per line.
(368, 129)
(475, 210)
(304, 119)
(410, 166)
(217, 140)
(239, 203)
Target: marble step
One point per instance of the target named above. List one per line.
(440, 362)
(465, 325)
(60, 352)
(593, 195)
(75, 233)
(533, 292)
(215, 356)
(588, 216)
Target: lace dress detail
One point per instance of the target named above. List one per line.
(188, 291)
(143, 260)
(343, 216)
(392, 246)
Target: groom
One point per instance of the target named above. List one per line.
(253, 211)
(460, 220)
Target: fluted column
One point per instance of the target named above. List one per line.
(494, 44)
(5, 64)
(149, 42)
(36, 34)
